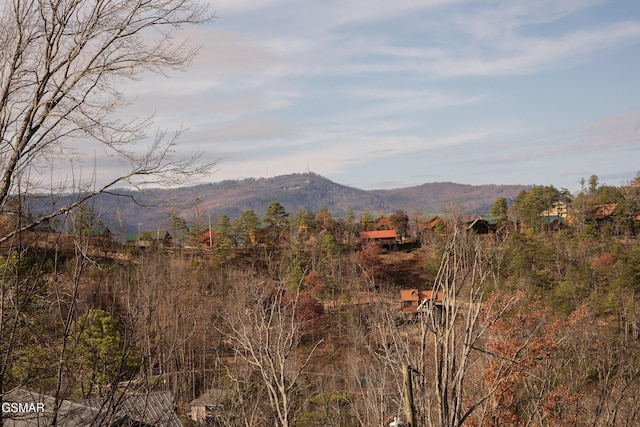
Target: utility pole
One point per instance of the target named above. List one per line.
(408, 396)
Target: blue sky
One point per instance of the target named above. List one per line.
(383, 94)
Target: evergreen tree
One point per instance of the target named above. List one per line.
(367, 221)
(531, 204)
(224, 241)
(500, 208)
(102, 352)
(246, 227)
(277, 220)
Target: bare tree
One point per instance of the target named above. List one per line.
(63, 64)
(459, 325)
(266, 333)
(389, 344)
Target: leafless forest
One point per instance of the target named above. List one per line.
(295, 318)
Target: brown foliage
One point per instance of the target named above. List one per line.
(369, 260)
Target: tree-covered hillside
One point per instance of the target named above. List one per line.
(154, 207)
(289, 318)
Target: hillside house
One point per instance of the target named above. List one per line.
(487, 224)
(207, 407)
(260, 235)
(149, 239)
(559, 209)
(413, 300)
(553, 222)
(102, 237)
(601, 215)
(604, 213)
(207, 238)
(386, 238)
(383, 223)
(437, 224)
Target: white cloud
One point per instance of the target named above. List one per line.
(605, 137)
(390, 102)
(531, 55)
(332, 153)
(616, 131)
(222, 7)
(371, 11)
(495, 20)
(340, 83)
(251, 133)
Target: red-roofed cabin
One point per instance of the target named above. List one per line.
(412, 299)
(379, 235)
(388, 238)
(604, 211)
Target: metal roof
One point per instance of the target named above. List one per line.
(148, 409)
(379, 234)
(490, 219)
(140, 410)
(70, 414)
(210, 397)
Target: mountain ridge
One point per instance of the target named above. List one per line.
(153, 208)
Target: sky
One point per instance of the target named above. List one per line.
(385, 94)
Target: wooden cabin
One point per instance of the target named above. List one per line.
(206, 409)
(384, 238)
(207, 238)
(379, 236)
(484, 225)
(413, 300)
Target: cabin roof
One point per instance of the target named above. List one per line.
(379, 234)
(149, 409)
(604, 211)
(210, 397)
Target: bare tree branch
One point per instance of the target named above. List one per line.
(61, 63)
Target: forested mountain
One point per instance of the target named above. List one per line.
(308, 191)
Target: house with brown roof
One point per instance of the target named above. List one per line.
(414, 300)
(604, 211)
(602, 214)
(437, 224)
(207, 238)
(383, 223)
(388, 238)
